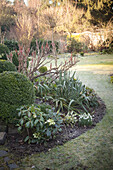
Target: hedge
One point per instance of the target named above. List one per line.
(15, 90)
(6, 66)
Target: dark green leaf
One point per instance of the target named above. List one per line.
(26, 139)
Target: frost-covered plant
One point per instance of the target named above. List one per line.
(85, 119)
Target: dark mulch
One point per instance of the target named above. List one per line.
(16, 145)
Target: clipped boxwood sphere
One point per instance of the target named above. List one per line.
(15, 90)
(43, 69)
(7, 66)
(3, 51)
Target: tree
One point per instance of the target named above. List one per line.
(25, 29)
(7, 16)
(25, 23)
(99, 12)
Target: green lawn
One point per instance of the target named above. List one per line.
(93, 150)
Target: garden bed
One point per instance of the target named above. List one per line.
(16, 145)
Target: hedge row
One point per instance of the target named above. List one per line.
(12, 45)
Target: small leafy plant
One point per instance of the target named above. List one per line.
(43, 69)
(70, 118)
(111, 79)
(85, 120)
(82, 53)
(41, 124)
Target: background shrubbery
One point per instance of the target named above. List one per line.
(4, 50)
(11, 44)
(43, 42)
(75, 46)
(6, 66)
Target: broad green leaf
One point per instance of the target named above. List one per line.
(29, 114)
(27, 124)
(32, 124)
(48, 132)
(36, 121)
(41, 124)
(19, 128)
(26, 139)
(19, 114)
(21, 121)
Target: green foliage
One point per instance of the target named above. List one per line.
(85, 119)
(82, 53)
(42, 69)
(11, 44)
(70, 118)
(41, 42)
(3, 51)
(97, 11)
(111, 79)
(107, 47)
(15, 90)
(40, 122)
(74, 46)
(6, 15)
(107, 51)
(15, 59)
(66, 93)
(6, 66)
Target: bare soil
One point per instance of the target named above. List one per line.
(16, 145)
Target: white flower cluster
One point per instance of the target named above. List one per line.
(85, 116)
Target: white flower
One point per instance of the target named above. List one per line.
(50, 121)
(34, 115)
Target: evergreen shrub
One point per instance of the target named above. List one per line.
(15, 59)
(3, 51)
(43, 42)
(43, 69)
(6, 66)
(15, 90)
(11, 44)
(74, 46)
